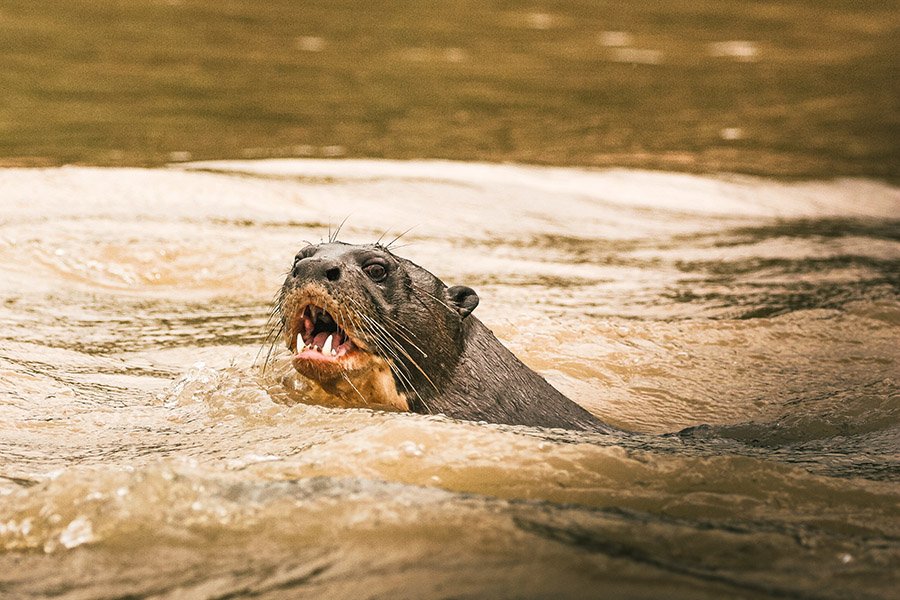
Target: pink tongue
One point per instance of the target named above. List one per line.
(319, 340)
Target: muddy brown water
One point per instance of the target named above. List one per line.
(145, 454)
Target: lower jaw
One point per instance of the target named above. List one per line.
(324, 368)
(317, 370)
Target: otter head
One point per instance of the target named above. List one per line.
(370, 327)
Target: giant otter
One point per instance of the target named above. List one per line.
(377, 330)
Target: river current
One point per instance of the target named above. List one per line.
(146, 453)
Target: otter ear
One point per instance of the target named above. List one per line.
(463, 298)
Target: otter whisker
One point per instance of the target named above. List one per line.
(433, 297)
(380, 334)
(389, 244)
(402, 326)
(402, 350)
(275, 327)
(394, 365)
(361, 397)
(333, 238)
(388, 345)
(274, 334)
(398, 368)
(401, 334)
(385, 332)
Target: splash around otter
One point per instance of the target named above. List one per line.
(376, 330)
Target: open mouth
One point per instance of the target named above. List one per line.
(318, 337)
(343, 365)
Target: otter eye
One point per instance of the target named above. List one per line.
(375, 271)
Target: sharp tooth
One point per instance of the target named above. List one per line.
(326, 349)
(334, 352)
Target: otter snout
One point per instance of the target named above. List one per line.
(316, 270)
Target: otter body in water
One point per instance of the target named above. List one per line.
(377, 330)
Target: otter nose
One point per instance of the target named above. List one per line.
(312, 268)
(333, 273)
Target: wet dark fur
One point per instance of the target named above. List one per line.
(443, 359)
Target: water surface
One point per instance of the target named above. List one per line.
(145, 453)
